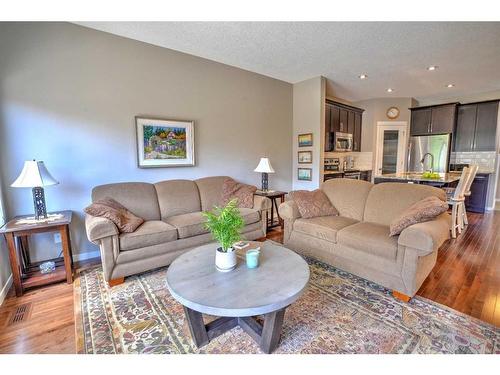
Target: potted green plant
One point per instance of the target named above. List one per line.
(225, 224)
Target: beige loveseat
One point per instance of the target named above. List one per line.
(174, 223)
(358, 239)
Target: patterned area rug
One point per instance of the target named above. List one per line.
(339, 313)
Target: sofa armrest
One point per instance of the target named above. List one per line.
(288, 210)
(428, 236)
(261, 203)
(99, 227)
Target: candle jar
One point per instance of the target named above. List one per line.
(252, 258)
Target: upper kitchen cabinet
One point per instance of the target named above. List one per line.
(476, 127)
(486, 126)
(438, 119)
(342, 118)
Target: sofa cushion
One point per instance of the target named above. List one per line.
(210, 189)
(243, 193)
(388, 200)
(313, 203)
(110, 209)
(177, 197)
(369, 237)
(420, 212)
(138, 197)
(152, 232)
(324, 227)
(193, 224)
(347, 196)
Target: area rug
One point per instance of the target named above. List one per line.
(338, 313)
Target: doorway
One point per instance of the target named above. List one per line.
(390, 148)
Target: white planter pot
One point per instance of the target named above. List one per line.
(225, 261)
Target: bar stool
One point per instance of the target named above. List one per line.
(470, 179)
(456, 201)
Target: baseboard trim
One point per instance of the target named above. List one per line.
(85, 256)
(5, 289)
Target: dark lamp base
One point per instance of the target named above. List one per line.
(39, 203)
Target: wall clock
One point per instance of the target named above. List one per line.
(393, 113)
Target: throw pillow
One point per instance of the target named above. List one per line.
(242, 192)
(313, 203)
(125, 220)
(424, 210)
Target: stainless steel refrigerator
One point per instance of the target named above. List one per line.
(436, 145)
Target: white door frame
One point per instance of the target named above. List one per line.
(402, 127)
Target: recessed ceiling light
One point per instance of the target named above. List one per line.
(450, 85)
(363, 76)
(390, 90)
(432, 67)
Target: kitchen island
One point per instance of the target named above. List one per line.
(444, 179)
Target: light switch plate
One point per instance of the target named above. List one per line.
(57, 238)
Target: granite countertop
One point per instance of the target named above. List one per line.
(444, 178)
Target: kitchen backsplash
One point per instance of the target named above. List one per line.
(362, 160)
(485, 159)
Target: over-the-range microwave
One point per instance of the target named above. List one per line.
(341, 141)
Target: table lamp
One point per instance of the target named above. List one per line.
(35, 176)
(264, 167)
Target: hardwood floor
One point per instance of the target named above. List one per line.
(465, 278)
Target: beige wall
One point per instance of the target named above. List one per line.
(68, 96)
(309, 117)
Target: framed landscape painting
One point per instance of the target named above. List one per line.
(304, 174)
(305, 157)
(164, 143)
(305, 140)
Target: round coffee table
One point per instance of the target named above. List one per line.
(237, 296)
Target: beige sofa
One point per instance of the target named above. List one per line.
(174, 223)
(358, 239)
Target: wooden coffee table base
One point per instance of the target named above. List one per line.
(267, 336)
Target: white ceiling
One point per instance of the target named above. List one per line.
(391, 54)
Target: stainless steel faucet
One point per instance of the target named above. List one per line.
(432, 160)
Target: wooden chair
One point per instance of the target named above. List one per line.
(470, 179)
(456, 201)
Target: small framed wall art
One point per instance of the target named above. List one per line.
(164, 143)
(305, 140)
(305, 157)
(304, 174)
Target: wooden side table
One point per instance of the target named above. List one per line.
(26, 274)
(273, 196)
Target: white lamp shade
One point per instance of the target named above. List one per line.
(264, 166)
(34, 174)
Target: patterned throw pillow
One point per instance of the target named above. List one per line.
(422, 211)
(125, 220)
(313, 203)
(242, 192)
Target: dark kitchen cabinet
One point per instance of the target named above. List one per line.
(466, 127)
(350, 122)
(476, 127)
(420, 121)
(328, 135)
(476, 202)
(342, 118)
(438, 119)
(486, 126)
(335, 119)
(357, 132)
(443, 119)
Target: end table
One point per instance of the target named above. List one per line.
(26, 274)
(273, 195)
